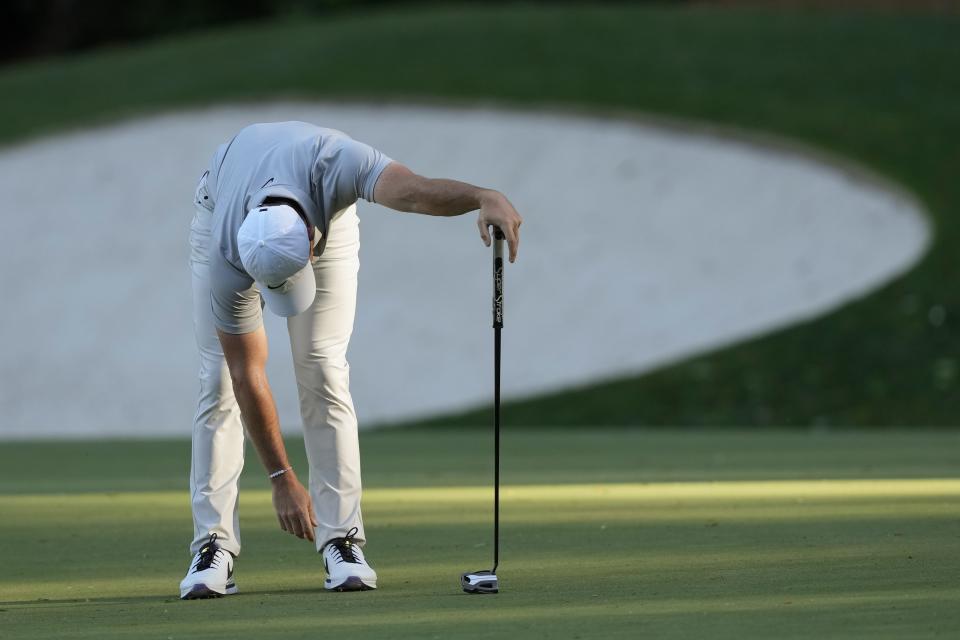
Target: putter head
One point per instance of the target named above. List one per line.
(480, 582)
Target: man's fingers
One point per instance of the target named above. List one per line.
(484, 232)
(311, 517)
(300, 523)
(307, 529)
(513, 240)
(296, 528)
(288, 523)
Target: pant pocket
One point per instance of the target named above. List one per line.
(201, 197)
(202, 221)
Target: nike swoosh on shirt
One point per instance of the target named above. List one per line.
(267, 182)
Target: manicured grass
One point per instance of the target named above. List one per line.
(619, 534)
(881, 88)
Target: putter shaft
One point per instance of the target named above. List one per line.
(497, 326)
(486, 581)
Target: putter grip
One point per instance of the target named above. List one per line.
(497, 278)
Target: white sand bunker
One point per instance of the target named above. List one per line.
(640, 246)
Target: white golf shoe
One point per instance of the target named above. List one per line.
(347, 569)
(210, 574)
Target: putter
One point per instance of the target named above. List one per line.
(486, 581)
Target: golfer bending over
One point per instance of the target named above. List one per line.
(276, 221)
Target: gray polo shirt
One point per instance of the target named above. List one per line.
(323, 170)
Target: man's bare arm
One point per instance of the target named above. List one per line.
(246, 356)
(401, 189)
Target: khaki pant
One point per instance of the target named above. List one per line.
(318, 338)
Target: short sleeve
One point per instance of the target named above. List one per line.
(347, 170)
(234, 298)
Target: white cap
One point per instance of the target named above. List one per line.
(275, 250)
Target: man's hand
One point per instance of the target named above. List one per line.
(496, 210)
(293, 506)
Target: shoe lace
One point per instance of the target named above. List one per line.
(346, 547)
(207, 555)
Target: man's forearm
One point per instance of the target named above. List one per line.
(403, 190)
(261, 421)
(246, 356)
(443, 197)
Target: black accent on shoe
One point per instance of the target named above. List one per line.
(345, 546)
(208, 554)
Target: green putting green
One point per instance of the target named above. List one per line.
(605, 534)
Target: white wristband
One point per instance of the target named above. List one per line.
(280, 472)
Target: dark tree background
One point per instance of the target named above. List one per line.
(48, 27)
(32, 28)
